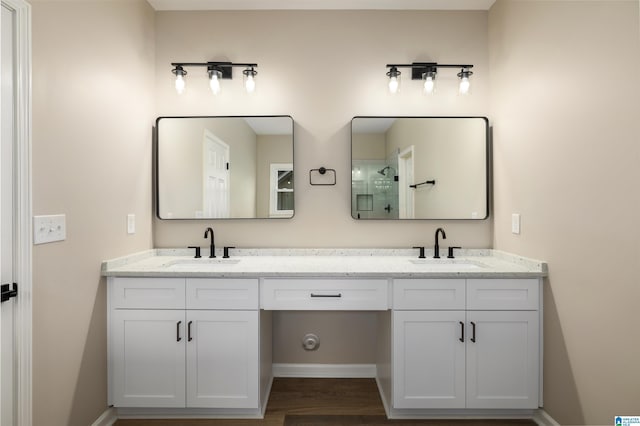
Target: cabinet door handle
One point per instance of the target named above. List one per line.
(473, 331)
(326, 295)
(178, 338)
(189, 338)
(461, 332)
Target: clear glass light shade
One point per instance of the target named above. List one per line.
(429, 83)
(250, 80)
(180, 83)
(394, 85)
(179, 72)
(465, 83)
(214, 81)
(394, 80)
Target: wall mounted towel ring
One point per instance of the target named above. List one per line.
(321, 171)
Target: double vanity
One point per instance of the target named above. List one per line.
(191, 337)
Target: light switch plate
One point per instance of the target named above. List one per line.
(49, 228)
(515, 223)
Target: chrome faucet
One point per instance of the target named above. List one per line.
(212, 247)
(436, 247)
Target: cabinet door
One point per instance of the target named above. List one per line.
(502, 363)
(222, 359)
(148, 358)
(428, 359)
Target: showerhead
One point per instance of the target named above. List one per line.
(382, 171)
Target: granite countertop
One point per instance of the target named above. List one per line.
(388, 263)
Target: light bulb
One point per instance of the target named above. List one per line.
(465, 83)
(393, 85)
(394, 80)
(250, 84)
(180, 83)
(214, 82)
(250, 79)
(429, 82)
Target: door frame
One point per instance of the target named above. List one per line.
(22, 213)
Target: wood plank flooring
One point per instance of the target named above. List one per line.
(315, 402)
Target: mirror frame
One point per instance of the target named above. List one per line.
(488, 173)
(156, 172)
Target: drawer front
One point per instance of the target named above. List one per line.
(147, 293)
(414, 294)
(324, 294)
(216, 293)
(503, 294)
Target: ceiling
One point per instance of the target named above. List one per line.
(321, 4)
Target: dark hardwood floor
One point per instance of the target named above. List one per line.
(315, 402)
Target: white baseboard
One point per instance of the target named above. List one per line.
(344, 371)
(108, 418)
(542, 418)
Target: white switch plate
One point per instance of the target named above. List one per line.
(515, 223)
(49, 228)
(131, 224)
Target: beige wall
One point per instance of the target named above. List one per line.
(92, 118)
(566, 151)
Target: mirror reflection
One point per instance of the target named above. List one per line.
(419, 168)
(225, 167)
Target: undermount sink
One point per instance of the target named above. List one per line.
(448, 264)
(199, 264)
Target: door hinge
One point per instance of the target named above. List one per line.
(8, 294)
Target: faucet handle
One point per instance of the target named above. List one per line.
(197, 256)
(450, 252)
(421, 248)
(225, 254)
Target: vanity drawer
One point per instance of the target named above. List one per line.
(147, 293)
(415, 294)
(324, 294)
(503, 294)
(216, 293)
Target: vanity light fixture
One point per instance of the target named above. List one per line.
(427, 72)
(217, 71)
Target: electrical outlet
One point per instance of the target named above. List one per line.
(131, 224)
(49, 228)
(515, 223)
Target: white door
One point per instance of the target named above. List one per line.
(406, 178)
(502, 359)
(222, 359)
(148, 358)
(215, 179)
(7, 364)
(428, 359)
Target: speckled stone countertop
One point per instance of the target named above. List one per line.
(389, 263)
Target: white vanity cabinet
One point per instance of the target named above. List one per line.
(184, 343)
(465, 343)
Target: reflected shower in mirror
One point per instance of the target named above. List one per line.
(224, 167)
(419, 168)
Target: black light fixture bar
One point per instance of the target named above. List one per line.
(225, 68)
(418, 69)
